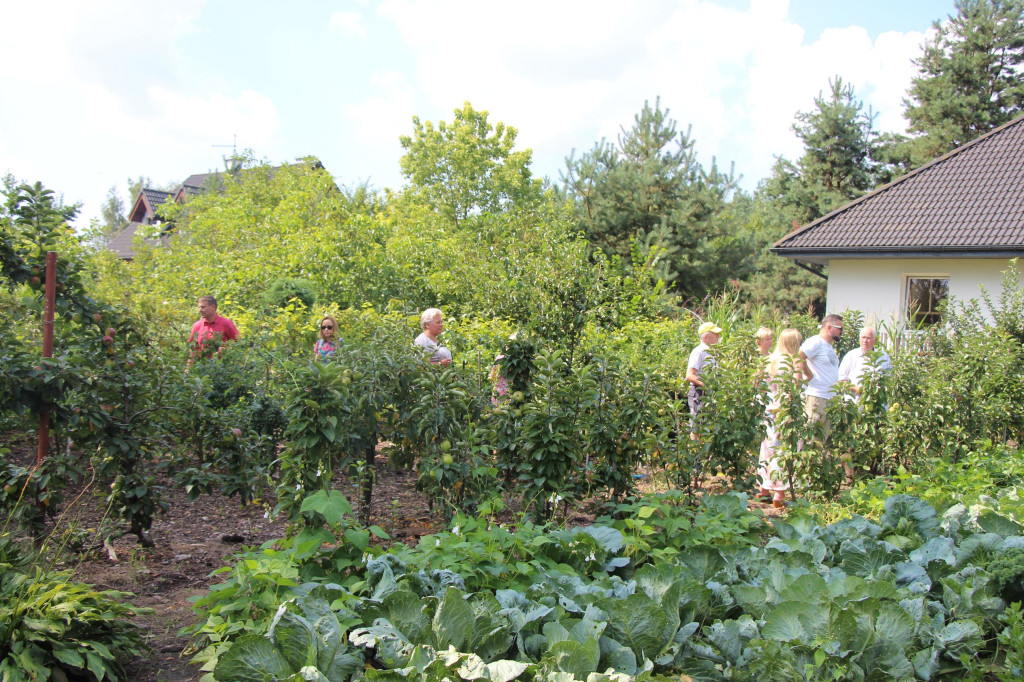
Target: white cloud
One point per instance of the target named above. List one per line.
(384, 116)
(738, 77)
(209, 119)
(83, 126)
(62, 39)
(348, 24)
(95, 92)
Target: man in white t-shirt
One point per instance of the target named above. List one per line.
(858, 361)
(819, 359)
(700, 357)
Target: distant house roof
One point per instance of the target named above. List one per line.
(121, 244)
(144, 210)
(185, 192)
(969, 202)
(198, 180)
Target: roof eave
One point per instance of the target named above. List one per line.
(823, 255)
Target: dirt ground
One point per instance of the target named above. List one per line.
(197, 537)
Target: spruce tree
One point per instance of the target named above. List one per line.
(837, 164)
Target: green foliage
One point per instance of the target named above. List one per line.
(1011, 639)
(676, 589)
(110, 394)
(53, 627)
(454, 467)
(840, 162)
(792, 428)
(338, 412)
(861, 423)
(468, 165)
(838, 144)
(31, 494)
(517, 363)
(33, 222)
(283, 290)
(315, 407)
(616, 422)
(1007, 571)
(729, 426)
(969, 78)
(778, 282)
(1008, 311)
(548, 431)
(306, 634)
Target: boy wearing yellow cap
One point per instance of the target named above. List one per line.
(700, 357)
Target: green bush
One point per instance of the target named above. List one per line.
(283, 290)
(53, 628)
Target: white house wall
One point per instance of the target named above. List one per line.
(876, 286)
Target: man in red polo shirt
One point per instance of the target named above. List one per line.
(212, 327)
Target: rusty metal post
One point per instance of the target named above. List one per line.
(51, 294)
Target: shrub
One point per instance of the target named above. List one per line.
(283, 290)
(49, 624)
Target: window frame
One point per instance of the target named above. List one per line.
(921, 318)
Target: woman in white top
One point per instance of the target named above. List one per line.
(773, 482)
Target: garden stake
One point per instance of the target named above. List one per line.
(51, 292)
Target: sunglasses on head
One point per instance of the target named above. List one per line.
(326, 326)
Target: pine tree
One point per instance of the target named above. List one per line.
(839, 163)
(649, 191)
(969, 79)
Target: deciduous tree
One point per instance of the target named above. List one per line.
(468, 165)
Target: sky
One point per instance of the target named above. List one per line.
(96, 93)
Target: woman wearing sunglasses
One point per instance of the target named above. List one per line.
(325, 346)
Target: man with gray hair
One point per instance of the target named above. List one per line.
(857, 362)
(433, 324)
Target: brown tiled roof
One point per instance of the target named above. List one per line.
(146, 204)
(198, 180)
(155, 197)
(122, 245)
(970, 201)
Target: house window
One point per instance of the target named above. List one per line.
(924, 296)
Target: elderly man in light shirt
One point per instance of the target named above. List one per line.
(857, 362)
